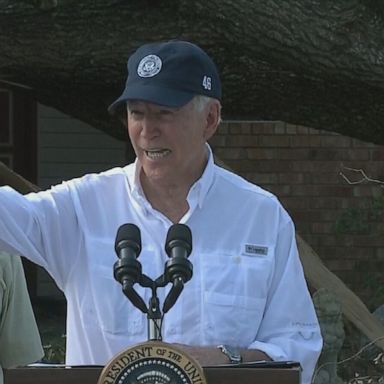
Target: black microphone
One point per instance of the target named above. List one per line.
(127, 270)
(178, 268)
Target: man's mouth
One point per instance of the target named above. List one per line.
(155, 154)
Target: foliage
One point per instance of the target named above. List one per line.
(355, 365)
(54, 348)
(372, 284)
(362, 220)
(50, 318)
(352, 220)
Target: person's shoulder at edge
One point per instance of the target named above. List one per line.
(23, 346)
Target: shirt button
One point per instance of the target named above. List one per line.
(237, 259)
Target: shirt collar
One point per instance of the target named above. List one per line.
(137, 194)
(199, 190)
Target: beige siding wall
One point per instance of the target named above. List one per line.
(69, 148)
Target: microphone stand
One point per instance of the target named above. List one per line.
(178, 270)
(154, 314)
(154, 317)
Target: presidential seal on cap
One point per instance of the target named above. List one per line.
(169, 74)
(149, 66)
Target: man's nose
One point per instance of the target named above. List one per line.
(149, 127)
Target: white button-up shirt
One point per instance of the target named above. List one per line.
(247, 289)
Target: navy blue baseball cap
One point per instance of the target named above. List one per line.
(169, 74)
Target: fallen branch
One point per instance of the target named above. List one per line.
(17, 182)
(319, 276)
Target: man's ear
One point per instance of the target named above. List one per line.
(213, 116)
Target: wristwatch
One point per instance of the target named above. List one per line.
(232, 353)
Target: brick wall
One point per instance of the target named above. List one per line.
(343, 222)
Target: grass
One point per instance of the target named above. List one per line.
(50, 317)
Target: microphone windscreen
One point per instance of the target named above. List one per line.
(179, 235)
(128, 235)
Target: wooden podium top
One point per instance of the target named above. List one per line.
(214, 375)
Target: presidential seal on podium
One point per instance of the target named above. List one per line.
(152, 362)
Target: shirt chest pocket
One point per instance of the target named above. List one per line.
(109, 309)
(234, 293)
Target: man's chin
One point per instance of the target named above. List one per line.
(155, 174)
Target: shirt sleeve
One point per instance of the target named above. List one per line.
(290, 329)
(42, 227)
(19, 337)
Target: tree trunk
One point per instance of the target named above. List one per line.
(318, 64)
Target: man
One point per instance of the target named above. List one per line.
(19, 337)
(248, 291)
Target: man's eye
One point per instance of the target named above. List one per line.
(166, 112)
(135, 112)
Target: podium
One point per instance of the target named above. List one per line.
(289, 374)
